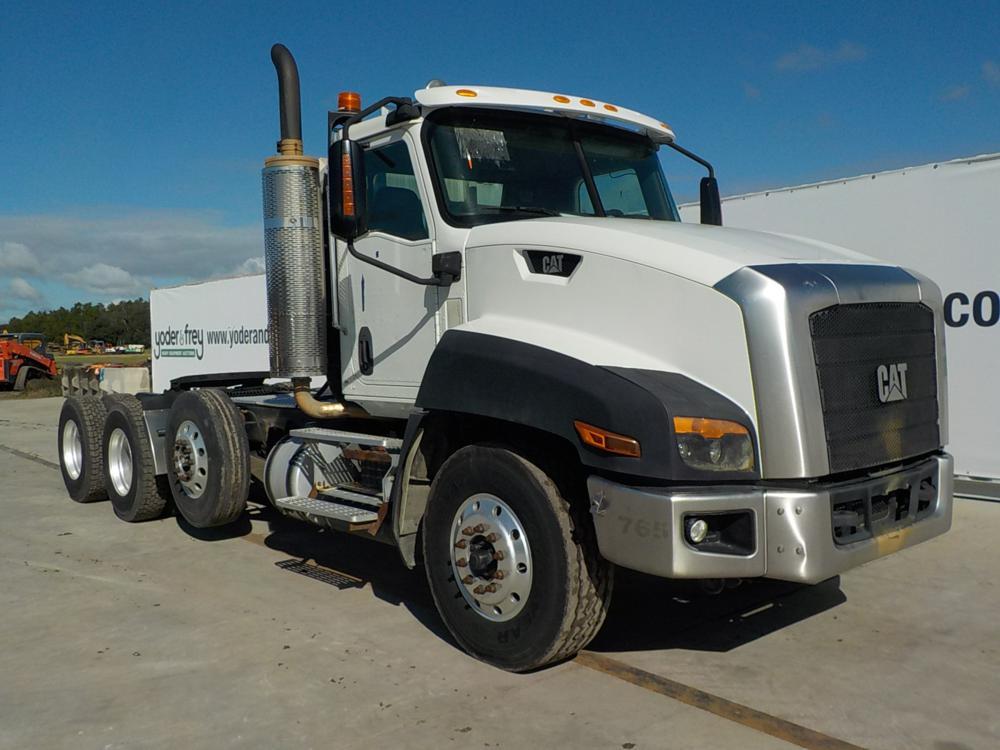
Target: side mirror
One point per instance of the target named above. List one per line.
(446, 268)
(711, 202)
(348, 209)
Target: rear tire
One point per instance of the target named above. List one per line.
(208, 458)
(136, 493)
(555, 588)
(81, 452)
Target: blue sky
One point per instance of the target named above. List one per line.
(133, 133)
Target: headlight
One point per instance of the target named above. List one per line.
(714, 444)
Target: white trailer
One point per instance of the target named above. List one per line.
(942, 219)
(208, 328)
(535, 369)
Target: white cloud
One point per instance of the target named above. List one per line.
(20, 290)
(991, 72)
(955, 93)
(17, 257)
(249, 267)
(807, 57)
(105, 279)
(141, 245)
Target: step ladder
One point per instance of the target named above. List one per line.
(347, 507)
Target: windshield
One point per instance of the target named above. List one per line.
(494, 166)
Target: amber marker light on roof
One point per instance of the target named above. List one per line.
(606, 441)
(349, 101)
(561, 99)
(611, 107)
(467, 92)
(587, 103)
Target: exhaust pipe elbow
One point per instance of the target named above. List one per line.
(289, 101)
(309, 406)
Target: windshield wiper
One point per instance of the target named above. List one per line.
(540, 210)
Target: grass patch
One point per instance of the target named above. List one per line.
(131, 360)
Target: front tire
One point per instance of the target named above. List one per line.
(208, 458)
(81, 451)
(545, 595)
(136, 493)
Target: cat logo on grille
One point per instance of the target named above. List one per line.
(891, 381)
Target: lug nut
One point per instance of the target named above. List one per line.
(491, 588)
(461, 544)
(498, 575)
(498, 555)
(461, 562)
(467, 531)
(477, 590)
(468, 580)
(491, 538)
(479, 528)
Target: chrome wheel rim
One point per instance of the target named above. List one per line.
(72, 450)
(120, 462)
(190, 459)
(491, 557)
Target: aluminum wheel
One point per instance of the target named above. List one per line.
(72, 449)
(491, 557)
(191, 459)
(120, 462)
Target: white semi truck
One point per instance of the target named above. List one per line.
(535, 373)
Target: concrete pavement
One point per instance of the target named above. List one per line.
(156, 636)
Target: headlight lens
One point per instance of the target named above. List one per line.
(714, 444)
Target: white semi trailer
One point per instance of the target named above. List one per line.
(942, 219)
(536, 373)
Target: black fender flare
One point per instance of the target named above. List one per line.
(500, 378)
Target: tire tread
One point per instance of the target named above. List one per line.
(154, 501)
(92, 414)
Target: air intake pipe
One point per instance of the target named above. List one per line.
(293, 253)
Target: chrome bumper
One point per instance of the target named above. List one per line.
(643, 528)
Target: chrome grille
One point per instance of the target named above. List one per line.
(850, 344)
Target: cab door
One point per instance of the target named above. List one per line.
(394, 319)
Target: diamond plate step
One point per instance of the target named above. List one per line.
(370, 499)
(326, 509)
(339, 437)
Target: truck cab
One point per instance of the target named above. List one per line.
(536, 373)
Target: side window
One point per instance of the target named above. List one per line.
(393, 200)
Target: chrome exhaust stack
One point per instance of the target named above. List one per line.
(293, 253)
(293, 241)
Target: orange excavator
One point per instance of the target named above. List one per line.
(23, 356)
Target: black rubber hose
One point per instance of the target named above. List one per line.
(288, 92)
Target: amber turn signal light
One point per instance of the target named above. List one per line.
(708, 428)
(608, 442)
(347, 184)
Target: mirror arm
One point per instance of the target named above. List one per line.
(694, 157)
(445, 279)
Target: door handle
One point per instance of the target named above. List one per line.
(366, 353)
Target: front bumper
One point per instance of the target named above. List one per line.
(793, 528)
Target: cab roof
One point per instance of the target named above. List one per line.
(545, 101)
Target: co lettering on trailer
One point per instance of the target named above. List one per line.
(982, 309)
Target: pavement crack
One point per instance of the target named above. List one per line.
(30, 457)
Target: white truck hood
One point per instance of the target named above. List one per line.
(705, 254)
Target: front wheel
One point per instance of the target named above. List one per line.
(513, 567)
